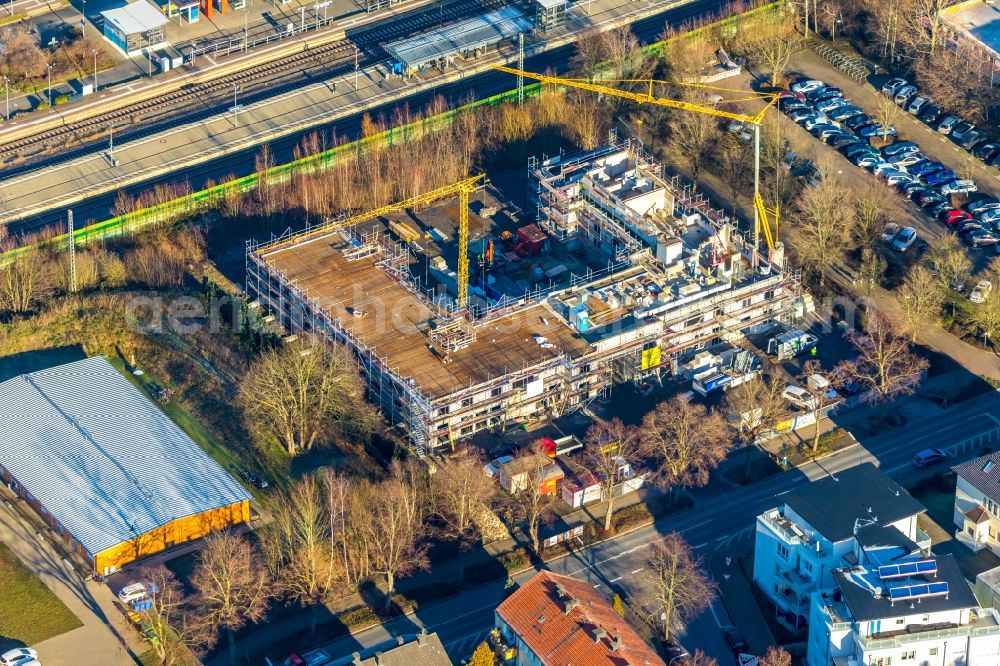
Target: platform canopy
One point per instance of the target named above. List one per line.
(475, 33)
(134, 18)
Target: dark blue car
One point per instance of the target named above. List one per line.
(925, 168)
(941, 177)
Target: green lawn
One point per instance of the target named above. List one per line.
(29, 612)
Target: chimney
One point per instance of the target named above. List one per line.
(422, 637)
(570, 605)
(400, 640)
(560, 590)
(378, 659)
(600, 633)
(616, 644)
(356, 659)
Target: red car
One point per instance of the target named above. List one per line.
(788, 94)
(954, 217)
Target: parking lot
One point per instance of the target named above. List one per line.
(939, 154)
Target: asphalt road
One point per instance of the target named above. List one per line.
(242, 163)
(722, 520)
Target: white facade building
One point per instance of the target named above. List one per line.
(977, 503)
(909, 612)
(817, 529)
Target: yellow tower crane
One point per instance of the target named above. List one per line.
(463, 188)
(762, 213)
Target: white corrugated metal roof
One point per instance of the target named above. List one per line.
(135, 17)
(475, 32)
(102, 458)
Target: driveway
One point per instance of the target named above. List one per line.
(98, 642)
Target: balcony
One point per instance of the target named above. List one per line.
(783, 527)
(923, 541)
(986, 624)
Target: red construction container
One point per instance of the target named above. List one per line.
(530, 240)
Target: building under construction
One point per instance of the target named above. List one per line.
(622, 275)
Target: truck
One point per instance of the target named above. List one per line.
(791, 344)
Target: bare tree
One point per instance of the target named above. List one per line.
(302, 393)
(625, 54)
(823, 225)
(776, 656)
(232, 583)
(589, 53)
(872, 268)
(885, 115)
(611, 451)
(920, 298)
(24, 281)
(986, 316)
(21, 57)
(692, 137)
(755, 408)
(688, 441)
(821, 398)
(951, 262)
(687, 54)
(886, 366)
(773, 47)
(180, 628)
(460, 489)
(396, 528)
(736, 164)
(873, 202)
(532, 500)
(679, 589)
(338, 490)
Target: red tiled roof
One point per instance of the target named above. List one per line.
(977, 515)
(537, 613)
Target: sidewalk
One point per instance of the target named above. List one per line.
(104, 639)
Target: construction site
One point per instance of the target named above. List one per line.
(464, 320)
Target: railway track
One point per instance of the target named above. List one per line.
(256, 82)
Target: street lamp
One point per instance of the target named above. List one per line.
(6, 88)
(236, 89)
(48, 76)
(83, 21)
(94, 51)
(246, 26)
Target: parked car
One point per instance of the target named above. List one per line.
(904, 239)
(739, 128)
(900, 147)
(983, 238)
(931, 114)
(893, 85)
(980, 205)
(914, 188)
(860, 120)
(889, 232)
(799, 397)
(926, 168)
(904, 95)
(806, 86)
(940, 177)
(788, 94)
(884, 168)
(906, 159)
(491, 468)
(937, 208)
(859, 148)
(254, 480)
(876, 130)
(818, 119)
(959, 187)
(735, 640)
(928, 457)
(960, 130)
(824, 133)
(822, 93)
(794, 105)
(136, 592)
(18, 656)
(801, 115)
(918, 104)
(989, 216)
(843, 140)
(981, 291)
(847, 111)
(868, 161)
(930, 197)
(947, 124)
(972, 140)
(986, 150)
(954, 217)
(828, 105)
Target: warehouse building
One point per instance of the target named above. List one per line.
(108, 471)
(622, 275)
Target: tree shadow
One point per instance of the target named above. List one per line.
(39, 359)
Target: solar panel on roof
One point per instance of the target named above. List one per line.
(921, 591)
(904, 569)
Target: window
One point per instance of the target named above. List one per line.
(882, 661)
(933, 652)
(495, 392)
(782, 551)
(926, 618)
(467, 402)
(807, 565)
(901, 620)
(908, 655)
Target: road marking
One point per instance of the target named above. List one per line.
(715, 617)
(701, 545)
(615, 580)
(993, 418)
(637, 571)
(597, 586)
(705, 522)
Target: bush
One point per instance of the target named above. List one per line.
(359, 616)
(61, 99)
(42, 106)
(516, 560)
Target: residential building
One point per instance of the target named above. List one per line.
(556, 620)
(109, 472)
(635, 273)
(977, 503)
(819, 528)
(909, 611)
(421, 650)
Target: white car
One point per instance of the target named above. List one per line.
(904, 239)
(959, 187)
(889, 233)
(18, 657)
(807, 86)
(136, 592)
(491, 468)
(989, 216)
(799, 397)
(981, 291)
